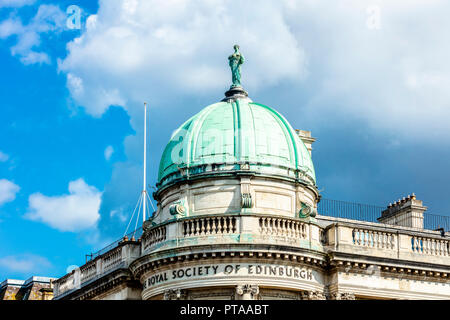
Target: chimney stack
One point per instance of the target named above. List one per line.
(405, 212)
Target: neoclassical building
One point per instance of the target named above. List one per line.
(238, 218)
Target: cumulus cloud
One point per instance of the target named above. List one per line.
(334, 63)
(25, 263)
(3, 157)
(108, 152)
(8, 191)
(383, 62)
(76, 211)
(48, 19)
(134, 48)
(393, 78)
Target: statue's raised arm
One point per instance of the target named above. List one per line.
(235, 61)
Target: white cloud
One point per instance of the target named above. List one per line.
(393, 78)
(25, 263)
(120, 214)
(73, 212)
(15, 3)
(3, 157)
(131, 49)
(8, 191)
(108, 152)
(49, 18)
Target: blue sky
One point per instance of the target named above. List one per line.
(370, 79)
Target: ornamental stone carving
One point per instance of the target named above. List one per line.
(342, 296)
(175, 294)
(313, 295)
(246, 196)
(246, 200)
(247, 292)
(306, 211)
(177, 209)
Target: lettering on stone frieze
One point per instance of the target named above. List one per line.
(230, 270)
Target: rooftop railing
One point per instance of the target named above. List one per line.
(136, 234)
(370, 213)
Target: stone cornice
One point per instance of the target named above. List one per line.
(102, 285)
(232, 174)
(156, 260)
(397, 268)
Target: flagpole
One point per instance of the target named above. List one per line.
(144, 191)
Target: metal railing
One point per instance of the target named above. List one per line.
(349, 210)
(370, 213)
(136, 234)
(435, 222)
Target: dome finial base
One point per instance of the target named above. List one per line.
(236, 92)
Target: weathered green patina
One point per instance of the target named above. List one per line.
(235, 61)
(236, 133)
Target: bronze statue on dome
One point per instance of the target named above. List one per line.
(235, 61)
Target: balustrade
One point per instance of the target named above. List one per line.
(209, 226)
(88, 271)
(112, 258)
(154, 236)
(282, 227)
(373, 238)
(432, 246)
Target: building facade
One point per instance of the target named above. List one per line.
(34, 288)
(237, 218)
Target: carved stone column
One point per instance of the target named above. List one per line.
(247, 292)
(174, 294)
(313, 295)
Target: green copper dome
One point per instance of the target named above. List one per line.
(235, 135)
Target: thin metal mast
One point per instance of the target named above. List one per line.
(144, 191)
(144, 197)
